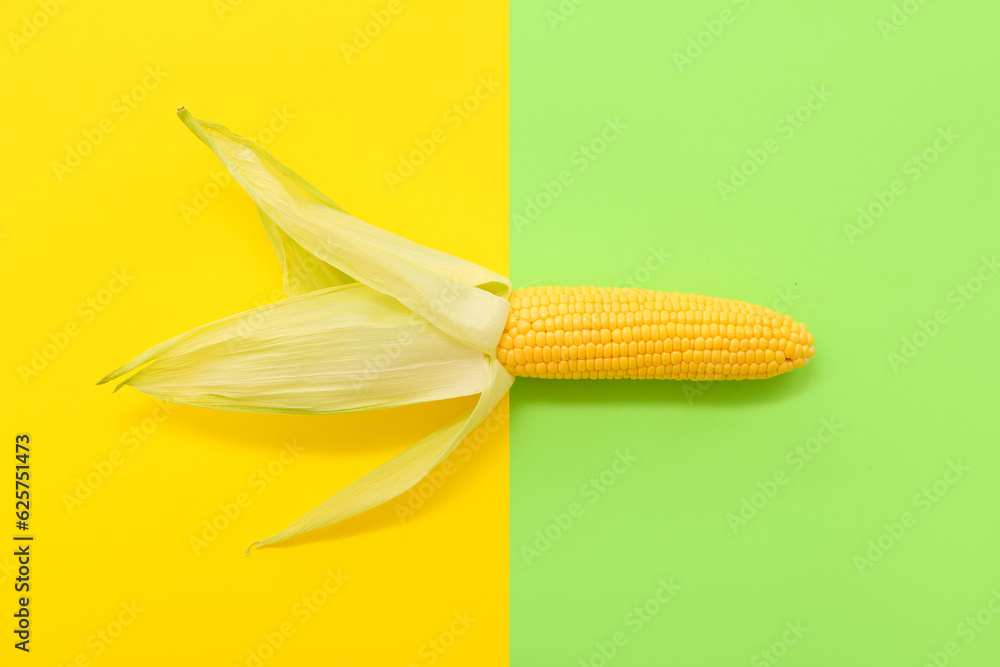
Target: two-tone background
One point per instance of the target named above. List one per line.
(835, 162)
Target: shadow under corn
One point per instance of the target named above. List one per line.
(675, 394)
(385, 430)
(681, 394)
(392, 514)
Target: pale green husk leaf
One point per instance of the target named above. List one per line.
(405, 470)
(462, 299)
(339, 349)
(373, 321)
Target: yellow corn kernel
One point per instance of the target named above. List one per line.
(597, 332)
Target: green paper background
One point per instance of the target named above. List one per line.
(779, 240)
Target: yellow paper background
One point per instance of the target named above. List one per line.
(102, 260)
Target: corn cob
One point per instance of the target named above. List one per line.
(597, 332)
(357, 293)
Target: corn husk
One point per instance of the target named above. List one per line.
(338, 349)
(372, 321)
(455, 295)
